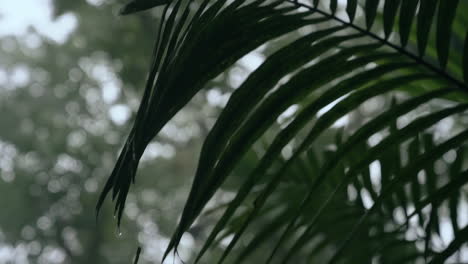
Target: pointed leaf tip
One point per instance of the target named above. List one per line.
(389, 14)
(371, 12)
(446, 15)
(137, 256)
(425, 19)
(351, 7)
(407, 13)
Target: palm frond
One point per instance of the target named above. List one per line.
(344, 64)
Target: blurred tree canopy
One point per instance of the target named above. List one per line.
(65, 109)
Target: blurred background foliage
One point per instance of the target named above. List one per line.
(66, 104)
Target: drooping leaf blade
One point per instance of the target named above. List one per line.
(407, 14)
(351, 7)
(295, 85)
(426, 13)
(371, 12)
(389, 14)
(445, 17)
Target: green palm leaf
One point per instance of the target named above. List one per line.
(342, 64)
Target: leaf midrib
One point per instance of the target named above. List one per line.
(458, 84)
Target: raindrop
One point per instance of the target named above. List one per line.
(118, 232)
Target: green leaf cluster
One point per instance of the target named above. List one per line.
(412, 50)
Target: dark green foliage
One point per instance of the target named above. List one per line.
(341, 61)
(407, 14)
(445, 17)
(425, 20)
(390, 10)
(371, 12)
(351, 9)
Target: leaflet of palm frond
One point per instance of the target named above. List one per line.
(169, 95)
(409, 171)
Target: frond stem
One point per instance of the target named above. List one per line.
(419, 60)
